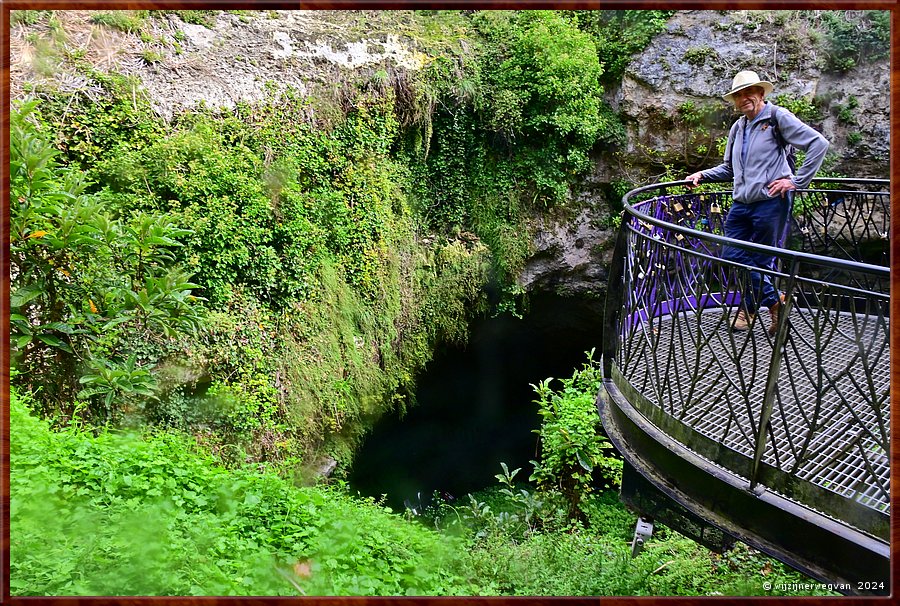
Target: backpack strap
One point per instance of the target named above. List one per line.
(785, 147)
(773, 122)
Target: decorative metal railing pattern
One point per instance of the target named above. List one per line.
(804, 412)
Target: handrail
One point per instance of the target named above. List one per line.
(885, 183)
(769, 250)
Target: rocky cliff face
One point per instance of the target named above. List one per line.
(571, 255)
(233, 58)
(243, 57)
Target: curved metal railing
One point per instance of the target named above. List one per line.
(804, 412)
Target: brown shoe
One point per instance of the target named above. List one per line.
(742, 320)
(774, 314)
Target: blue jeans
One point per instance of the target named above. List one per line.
(762, 223)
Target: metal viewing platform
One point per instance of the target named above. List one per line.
(779, 438)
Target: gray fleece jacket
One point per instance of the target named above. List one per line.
(765, 161)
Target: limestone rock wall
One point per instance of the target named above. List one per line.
(694, 60)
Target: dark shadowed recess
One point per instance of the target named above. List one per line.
(476, 405)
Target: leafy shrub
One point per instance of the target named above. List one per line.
(217, 194)
(801, 107)
(620, 34)
(88, 127)
(545, 86)
(80, 276)
(572, 448)
(115, 382)
(267, 226)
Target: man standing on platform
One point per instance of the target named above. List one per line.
(758, 159)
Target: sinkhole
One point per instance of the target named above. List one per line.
(475, 405)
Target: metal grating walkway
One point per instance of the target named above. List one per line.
(820, 405)
(778, 440)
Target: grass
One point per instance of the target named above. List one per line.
(125, 21)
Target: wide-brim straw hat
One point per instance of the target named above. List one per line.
(744, 80)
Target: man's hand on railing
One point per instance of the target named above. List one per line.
(780, 186)
(694, 178)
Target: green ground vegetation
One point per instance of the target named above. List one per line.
(96, 511)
